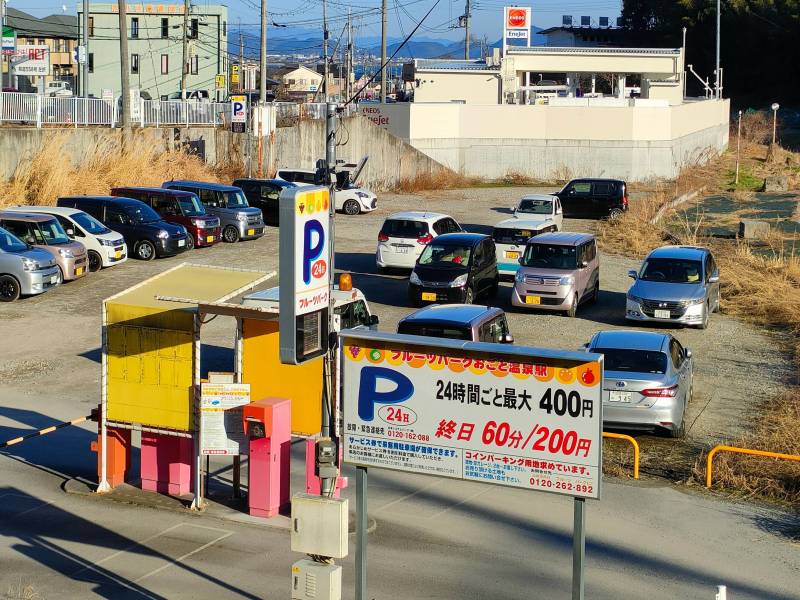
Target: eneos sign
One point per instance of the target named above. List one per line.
(527, 418)
(517, 18)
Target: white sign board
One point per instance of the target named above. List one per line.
(517, 34)
(9, 41)
(32, 60)
(136, 104)
(530, 419)
(221, 428)
(517, 25)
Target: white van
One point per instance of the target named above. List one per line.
(105, 247)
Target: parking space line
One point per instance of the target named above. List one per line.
(467, 499)
(187, 555)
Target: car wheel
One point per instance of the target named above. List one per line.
(9, 288)
(351, 207)
(230, 234)
(60, 277)
(190, 242)
(573, 309)
(469, 296)
(704, 322)
(615, 214)
(596, 293)
(95, 262)
(679, 432)
(145, 250)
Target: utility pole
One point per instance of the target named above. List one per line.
(262, 88)
(185, 71)
(349, 60)
(466, 31)
(716, 71)
(384, 25)
(240, 83)
(124, 67)
(325, 50)
(85, 65)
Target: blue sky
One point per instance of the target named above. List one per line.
(403, 14)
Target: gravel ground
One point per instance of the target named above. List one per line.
(49, 361)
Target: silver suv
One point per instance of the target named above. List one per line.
(676, 284)
(24, 269)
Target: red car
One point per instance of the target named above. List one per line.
(182, 208)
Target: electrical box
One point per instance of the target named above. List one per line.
(316, 581)
(319, 525)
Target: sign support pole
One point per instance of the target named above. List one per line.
(578, 547)
(361, 533)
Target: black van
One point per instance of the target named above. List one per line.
(264, 194)
(594, 198)
(145, 232)
(455, 268)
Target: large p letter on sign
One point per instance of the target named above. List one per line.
(369, 394)
(304, 273)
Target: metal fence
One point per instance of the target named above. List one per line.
(35, 109)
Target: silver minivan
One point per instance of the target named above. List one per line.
(238, 220)
(558, 271)
(24, 270)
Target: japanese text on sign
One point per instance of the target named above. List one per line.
(221, 427)
(518, 420)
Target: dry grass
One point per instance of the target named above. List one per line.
(763, 289)
(442, 179)
(105, 164)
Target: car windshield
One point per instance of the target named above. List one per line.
(236, 200)
(503, 235)
(191, 206)
(671, 270)
(436, 255)
(635, 361)
(89, 223)
(536, 207)
(550, 256)
(53, 232)
(403, 228)
(437, 331)
(11, 243)
(142, 214)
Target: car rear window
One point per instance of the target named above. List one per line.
(434, 330)
(635, 361)
(403, 228)
(505, 235)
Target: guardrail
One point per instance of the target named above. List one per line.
(735, 449)
(632, 442)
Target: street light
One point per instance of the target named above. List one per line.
(775, 106)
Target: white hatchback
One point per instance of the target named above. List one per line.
(105, 247)
(404, 236)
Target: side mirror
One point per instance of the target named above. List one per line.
(687, 353)
(714, 277)
(374, 319)
(584, 264)
(507, 339)
(633, 274)
(71, 232)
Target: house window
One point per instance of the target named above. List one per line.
(90, 61)
(135, 64)
(91, 26)
(193, 29)
(164, 28)
(134, 27)
(194, 64)
(165, 64)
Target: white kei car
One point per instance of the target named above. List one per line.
(540, 207)
(404, 236)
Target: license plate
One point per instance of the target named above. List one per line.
(661, 314)
(428, 296)
(401, 249)
(181, 243)
(510, 254)
(210, 239)
(79, 271)
(54, 279)
(617, 396)
(251, 232)
(533, 300)
(118, 254)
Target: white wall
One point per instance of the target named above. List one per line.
(472, 88)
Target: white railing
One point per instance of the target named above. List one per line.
(35, 109)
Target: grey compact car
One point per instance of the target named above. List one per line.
(458, 322)
(676, 284)
(647, 380)
(24, 269)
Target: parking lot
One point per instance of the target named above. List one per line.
(50, 370)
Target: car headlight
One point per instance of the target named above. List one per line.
(460, 280)
(362, 194)
(695, 301)
(29, 265)
(566, 280)
(198, 222)
(105, 242)
(66, 253)
(519, 277)
(241, 218)
(633, 298)
(414, 278)
(162, 234)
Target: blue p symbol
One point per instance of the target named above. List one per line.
(311, 252)
(369, 396)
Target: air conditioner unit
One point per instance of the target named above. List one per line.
(603, 21)
(566, 20)
(585, 21)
